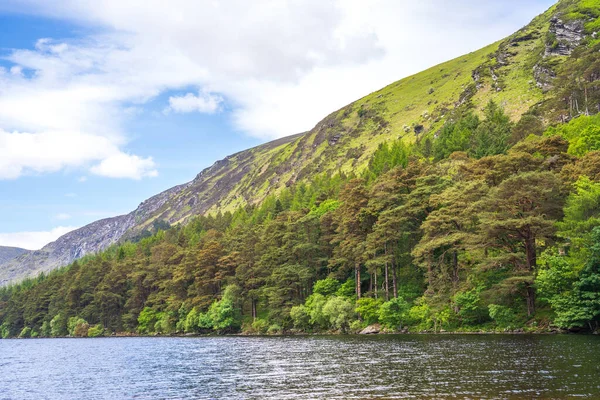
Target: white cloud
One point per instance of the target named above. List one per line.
(283, 65)
(204, 102)
(33, 240)
(82, 179)
(70, 195)
(52, 151)
(62, 216)
(125, 166)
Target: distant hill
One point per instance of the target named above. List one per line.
(8, 253)
(537, 71)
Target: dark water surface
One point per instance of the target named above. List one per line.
(350, 367)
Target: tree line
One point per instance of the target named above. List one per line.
(481, 226)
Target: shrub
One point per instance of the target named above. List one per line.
(503, 316)
(25, 333)
(326, 287)
(147, 320)
(347, 289)
(260, 326)
(393, 313)
(274, 329)
(58, 326)
(339, 312)
(4, 331)
(300, 317)
(192, 320)
(78, 327)
(420, 314)
(368, 309)
(96, 330)
(45, 329)
(469, 308)
(314, 305)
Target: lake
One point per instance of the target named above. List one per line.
(312, 367)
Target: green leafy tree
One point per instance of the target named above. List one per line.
(224, 314)
(516, 217)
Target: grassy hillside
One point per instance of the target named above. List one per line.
(521, 73)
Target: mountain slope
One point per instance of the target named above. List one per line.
(549, 69)
(8, 253)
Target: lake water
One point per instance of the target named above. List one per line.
(347, 367)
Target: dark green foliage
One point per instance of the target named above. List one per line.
(455, 136)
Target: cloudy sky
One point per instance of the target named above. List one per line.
(104, 103)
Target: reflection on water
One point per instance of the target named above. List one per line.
(351, 367)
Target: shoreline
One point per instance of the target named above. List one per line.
(288, 335)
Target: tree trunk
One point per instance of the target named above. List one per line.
(253, 309)
(394, 281)
(530, 300)
(455, 277)
(376, 288)
(386, 283)
(357, 267)
(387, 278)
(530, 253)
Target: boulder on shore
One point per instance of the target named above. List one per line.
(371, 330)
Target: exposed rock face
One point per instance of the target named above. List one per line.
(543, 77)
(371, 330)
(8, 253)
(567, 36)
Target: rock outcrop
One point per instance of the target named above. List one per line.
(371, 330)
(564, 37)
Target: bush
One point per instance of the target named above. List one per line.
(503, 316)
(420, 314)
(314, 306)
(78, 327)
(45, 330)
(393, 313)
(192, 320)
(58, 326)
(368, 309)
(96, 331)
(4, 331)
(204, 321)
(260, 326)
(469, 308)
(274, 329)
(25, 333)
(357, 326)
(300, 317)
(339, 312)
(347, 289)
(326, 287)
(147, 321)
(165, 323)
(223, 313)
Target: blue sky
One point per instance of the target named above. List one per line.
(106, 103)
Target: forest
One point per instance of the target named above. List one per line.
(486, 225)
